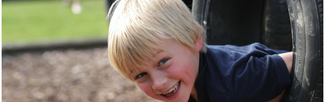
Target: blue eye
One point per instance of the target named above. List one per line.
(162, 62)
(140, 75)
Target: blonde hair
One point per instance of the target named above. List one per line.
(137, 26)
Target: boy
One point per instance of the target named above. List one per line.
(160, 47)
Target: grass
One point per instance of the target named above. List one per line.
(51, 21)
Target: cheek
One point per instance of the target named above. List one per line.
(146, 88)
(184, 69)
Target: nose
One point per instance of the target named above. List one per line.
(159, 82)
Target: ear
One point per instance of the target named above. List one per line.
(198, 43)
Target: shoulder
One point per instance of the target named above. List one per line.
(251, 49)
(224, 67)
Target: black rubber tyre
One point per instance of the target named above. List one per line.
(236, 22)
(306, 17)
(277, 25)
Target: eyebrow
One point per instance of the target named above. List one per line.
(158, 52)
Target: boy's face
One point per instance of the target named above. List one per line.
(170, 76)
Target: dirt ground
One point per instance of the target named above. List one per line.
(65, 76)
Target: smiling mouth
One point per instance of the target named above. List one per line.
(173, 90)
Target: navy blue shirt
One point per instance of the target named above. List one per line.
(252, 73)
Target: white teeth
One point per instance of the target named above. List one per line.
(171, 91)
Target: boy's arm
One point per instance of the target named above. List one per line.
(287, 58)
